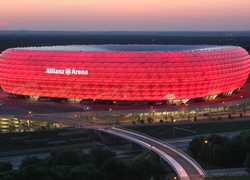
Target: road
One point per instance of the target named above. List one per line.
(185, 168)
(123, 152)
(228, 172)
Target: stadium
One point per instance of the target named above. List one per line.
(164, 74)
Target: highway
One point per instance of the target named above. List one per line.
(169, 154)
(184, 166)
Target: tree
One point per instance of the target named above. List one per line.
(217, 139)
(220, 155)
(146, 169)
(195, 145)
(61, 172)
(66, 157)
(98, 155)
(245, 136)
(114, 169)
(86, 172)
(247, 161)
(221, 150)
(237, 153)
(30, 160)
(9, 175)
(146, 166)
(5, 166)
(34, 172)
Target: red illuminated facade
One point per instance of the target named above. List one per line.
(124, 72)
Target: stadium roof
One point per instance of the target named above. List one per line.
(127, 48)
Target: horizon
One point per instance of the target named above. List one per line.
(110, 15)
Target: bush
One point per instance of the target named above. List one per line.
(34, 172)
(66, 157)
(30, 160)
(5, 166)
(98, 155)
(223, 151)
(150, 120)
(247, 161)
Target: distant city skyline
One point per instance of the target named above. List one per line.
(125, 15)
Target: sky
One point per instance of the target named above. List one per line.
(125, 15)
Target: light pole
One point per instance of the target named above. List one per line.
(150, 113)
(109, 115)
(93, 110)
(116, 111)
(240, 102)
(85, 114)
(75, 120)
(87, 118)
(176, 133)
(209, 155)
(185, 111)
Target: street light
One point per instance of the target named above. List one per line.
(75, 120)
(209, 155)
(29, 113)
(87, 118)
(177, 133)
(109, 115)
(151, 108)
(185, 111)
(175, 129)
(116, 111)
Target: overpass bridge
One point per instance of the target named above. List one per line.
(185, 167)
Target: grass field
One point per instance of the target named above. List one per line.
(45, 138)
(166, 130)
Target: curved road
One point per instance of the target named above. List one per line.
(184, 166)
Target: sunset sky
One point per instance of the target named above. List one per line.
(125, 15)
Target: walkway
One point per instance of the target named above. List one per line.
(185, 167)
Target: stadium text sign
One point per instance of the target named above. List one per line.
(67, 71)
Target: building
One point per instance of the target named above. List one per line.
(159, 73)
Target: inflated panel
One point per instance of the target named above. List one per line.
(123, 75)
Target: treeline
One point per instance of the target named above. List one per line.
(221, 150)
(24, 39)
(97, 164)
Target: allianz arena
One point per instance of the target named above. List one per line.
(124, 72)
